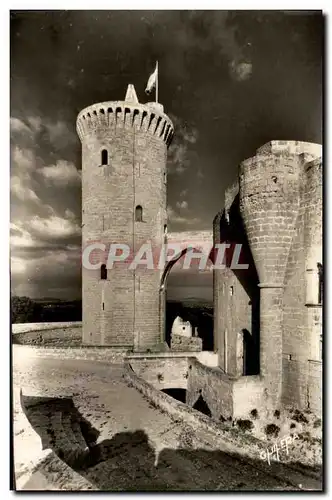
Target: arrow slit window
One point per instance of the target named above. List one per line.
(139, 214)
(103, 272)
(104, 157)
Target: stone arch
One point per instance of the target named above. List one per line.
(165, 326)
(175, 259)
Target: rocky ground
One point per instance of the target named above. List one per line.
(83, 428)
(301, 429)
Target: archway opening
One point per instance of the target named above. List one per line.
(188, 293)
(178, 394)
(202, 406)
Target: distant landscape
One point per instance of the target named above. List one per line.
(200, 314)
(46, 310)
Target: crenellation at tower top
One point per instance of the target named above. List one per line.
(149, 117)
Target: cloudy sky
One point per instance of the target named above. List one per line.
(230, 81)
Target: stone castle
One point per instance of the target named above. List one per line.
(267, 318)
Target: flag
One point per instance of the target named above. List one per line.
(152, 80)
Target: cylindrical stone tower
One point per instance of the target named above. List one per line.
(124, 153)
(269, 199)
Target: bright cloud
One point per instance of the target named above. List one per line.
(182, 204)
(54, 227)
(62, 173)
(22, 191)
(174, 217)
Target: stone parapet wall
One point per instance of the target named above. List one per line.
(181, 343)
(34, 327)
(162, 370)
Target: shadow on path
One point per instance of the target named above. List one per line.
(128, 462)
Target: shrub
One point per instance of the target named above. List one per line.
(245, 425)
(254, 413)
(299, 417)
(317, 423)
(292, 425)
(22, 309)
(272, 430)
(277, 413)
(305, 436)
(222, 419)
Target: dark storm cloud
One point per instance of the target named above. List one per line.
(231, 81)
(45, 232)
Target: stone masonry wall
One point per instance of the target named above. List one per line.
(181, 343)
(217, 292)
(301, 312)
(315, 394)
(215, 387)
(162, 372)
(236, 313)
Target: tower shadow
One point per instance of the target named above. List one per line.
(128, 462)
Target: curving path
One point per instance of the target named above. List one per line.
(83, 428)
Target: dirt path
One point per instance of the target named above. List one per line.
(133, 446)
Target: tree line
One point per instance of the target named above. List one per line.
(27, 310)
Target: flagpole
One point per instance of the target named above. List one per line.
(157, 83)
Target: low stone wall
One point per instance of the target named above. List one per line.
(162, 370)
(182, 343)
(104, 354)
(225, 396)
(177, 409)
(215, 387)
(34, 327)
(217, 435)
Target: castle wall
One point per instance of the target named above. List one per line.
(214, 386)
(280, 200)
(225, 396)
(234, 316)
(218, 325)
(302, 314)
(162, 371)
(236, 320)
(315, 386)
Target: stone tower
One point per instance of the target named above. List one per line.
(124, 153)
(270, 185)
